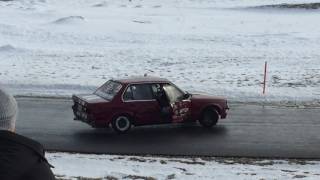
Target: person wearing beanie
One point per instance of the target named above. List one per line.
(21, 158)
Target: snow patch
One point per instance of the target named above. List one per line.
(7, 48)
(69, 20)
(101, 4)
(84, 166)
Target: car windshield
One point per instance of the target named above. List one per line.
(108, 90)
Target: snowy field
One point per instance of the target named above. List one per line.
(113, 167)
(57, 48)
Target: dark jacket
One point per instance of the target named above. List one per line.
(22, 158)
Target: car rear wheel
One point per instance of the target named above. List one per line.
(209, 118)
(121, 124)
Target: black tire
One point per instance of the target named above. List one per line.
(209, 118)
(121, 124)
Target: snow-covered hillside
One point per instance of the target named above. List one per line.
(56, 47)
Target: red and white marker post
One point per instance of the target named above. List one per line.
(265, 77)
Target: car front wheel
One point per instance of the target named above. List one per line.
(209, 118)
(121, 124)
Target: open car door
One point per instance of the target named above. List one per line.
(180, 103)
(181, 111)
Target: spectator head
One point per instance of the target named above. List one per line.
(8, 111)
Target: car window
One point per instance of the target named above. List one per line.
(173, 93)
(108, 90)
(138, 92)
(127, 96)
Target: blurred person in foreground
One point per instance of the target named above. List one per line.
(20, 158)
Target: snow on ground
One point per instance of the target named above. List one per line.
(77, 166)
(55, 47)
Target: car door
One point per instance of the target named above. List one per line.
(179, 102)
(139, 98)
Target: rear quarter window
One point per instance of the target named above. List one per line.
(108, 90)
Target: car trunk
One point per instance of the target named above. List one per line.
(80, 109)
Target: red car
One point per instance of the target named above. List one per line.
(144, 101)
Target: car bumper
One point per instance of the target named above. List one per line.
(224, 113)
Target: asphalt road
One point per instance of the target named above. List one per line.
(249, 131)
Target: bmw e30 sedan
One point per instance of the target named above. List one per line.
(140, 101)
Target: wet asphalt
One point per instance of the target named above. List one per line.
(248, 131)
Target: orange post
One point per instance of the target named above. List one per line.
(265, 77)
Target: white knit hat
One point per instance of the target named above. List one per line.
(8, 111)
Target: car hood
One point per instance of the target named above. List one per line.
(92, 98)
(203, 97)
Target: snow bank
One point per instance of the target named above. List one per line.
(306, 6)
(75, 166)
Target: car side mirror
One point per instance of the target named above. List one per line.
(186, 96)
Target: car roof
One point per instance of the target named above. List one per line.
(142, 79)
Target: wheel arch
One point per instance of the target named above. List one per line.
(129, 114)
(211, 106)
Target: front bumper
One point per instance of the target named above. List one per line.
(224, 112)
(223, 115)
